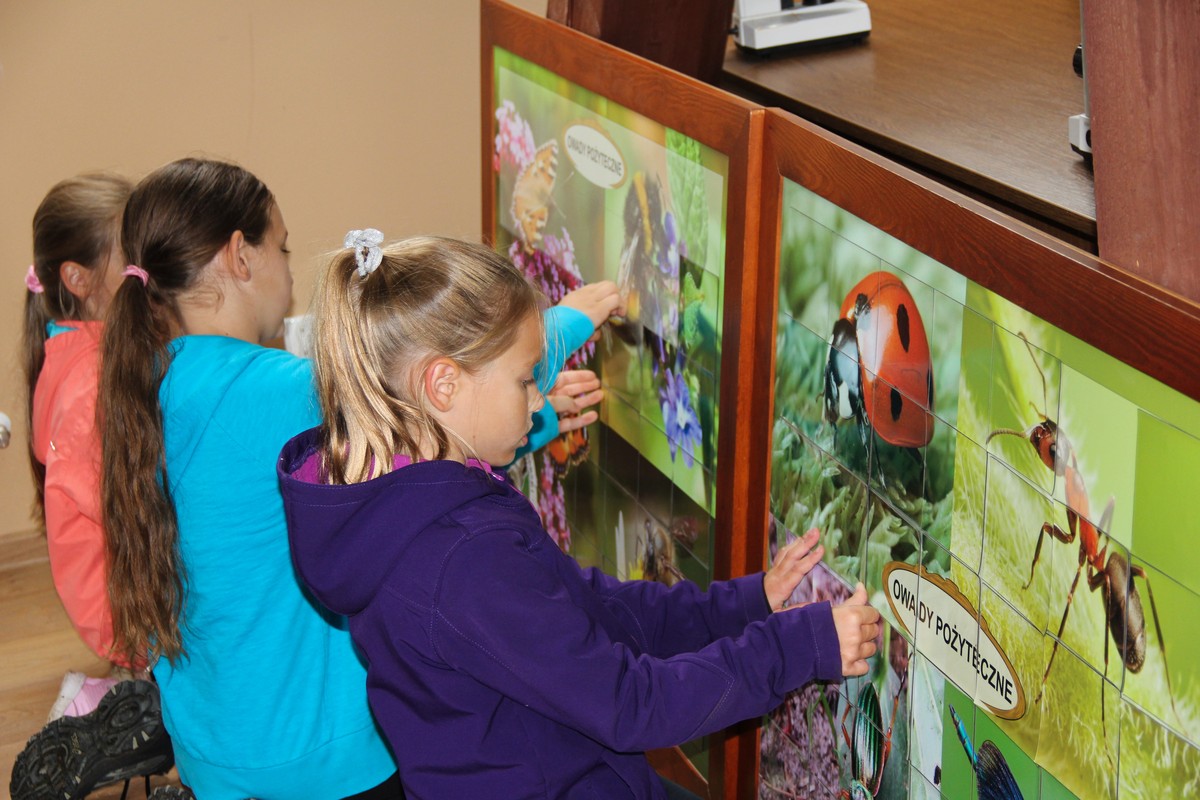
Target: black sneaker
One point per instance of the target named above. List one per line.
(122, 738)
(171, 793)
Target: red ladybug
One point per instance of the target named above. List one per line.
(879, 371)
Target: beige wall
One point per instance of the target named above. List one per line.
(356, 113)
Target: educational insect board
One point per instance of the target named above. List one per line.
(586, 189)
(1016, 502)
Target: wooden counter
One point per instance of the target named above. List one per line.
(975, 94)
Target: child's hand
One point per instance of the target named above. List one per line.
(792, 563)
(599, 301)
(857, 627)
(575, 391)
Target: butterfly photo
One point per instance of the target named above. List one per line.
(568, 450)
(531, 195)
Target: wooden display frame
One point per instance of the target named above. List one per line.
(1140, 324)
(733, 127)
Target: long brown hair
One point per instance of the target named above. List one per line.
(177, 219)
(429, 297)
(78, 220)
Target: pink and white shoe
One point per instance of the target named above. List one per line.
(79, 695)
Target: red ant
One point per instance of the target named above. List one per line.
(1110, 572)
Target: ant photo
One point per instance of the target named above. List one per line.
(1108, 568)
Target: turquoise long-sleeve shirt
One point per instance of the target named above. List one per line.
(270, 700)
(567, 330)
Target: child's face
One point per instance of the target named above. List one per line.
(493, 412)
(272, 278)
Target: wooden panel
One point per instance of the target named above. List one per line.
(1121, 314)
(734, 127)
(739, 484)
(1144, 83)
(977, 93)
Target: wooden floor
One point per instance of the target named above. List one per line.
(37, 645)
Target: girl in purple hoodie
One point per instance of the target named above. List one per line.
(498, 667)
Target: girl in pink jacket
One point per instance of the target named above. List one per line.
(77, 263)
(101, 730)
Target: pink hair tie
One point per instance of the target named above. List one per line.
(31, 281)
(137, 272)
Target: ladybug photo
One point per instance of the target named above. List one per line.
(867, 362)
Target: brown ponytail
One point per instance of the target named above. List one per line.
(78, 220)
(175, 222)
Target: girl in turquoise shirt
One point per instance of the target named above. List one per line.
(263, 693)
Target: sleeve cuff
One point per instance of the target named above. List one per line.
(754, 596)
(825, 640)
(810, 646)
(567, 330)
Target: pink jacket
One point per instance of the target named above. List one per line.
(66, 440)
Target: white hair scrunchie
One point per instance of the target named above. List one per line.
(367, 252)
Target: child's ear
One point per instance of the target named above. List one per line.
(441, 383)
(77, 278)
(237, 254)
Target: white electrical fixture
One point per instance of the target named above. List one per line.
(771, 24)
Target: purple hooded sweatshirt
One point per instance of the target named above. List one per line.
(498, 667)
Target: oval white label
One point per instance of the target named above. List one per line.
(595, 155)
(954, 637)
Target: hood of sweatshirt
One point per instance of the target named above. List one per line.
(346, 540)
